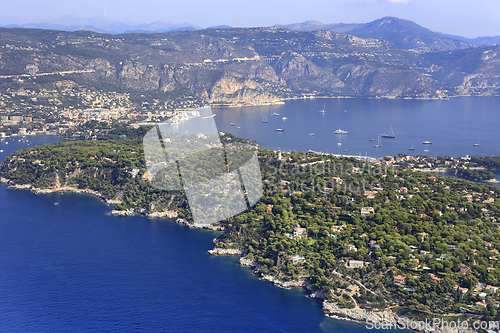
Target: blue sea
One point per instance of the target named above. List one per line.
(453, 126)
(72, 267)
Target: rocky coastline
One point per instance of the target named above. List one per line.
(38, 190)
(256, 269)
(329, 308)
(169, 214)
(225, 252)
(371, 318)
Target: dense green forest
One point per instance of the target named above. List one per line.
(490, 162)
(333, 222)
(475, 174)
(437, 232)
(114, 167)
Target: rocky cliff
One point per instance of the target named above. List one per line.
(246, 66)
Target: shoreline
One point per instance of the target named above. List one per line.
(282, 101)
(492, 181)
(330, 309)
(135, 211)
(28, 135)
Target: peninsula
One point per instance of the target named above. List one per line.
(365, 239)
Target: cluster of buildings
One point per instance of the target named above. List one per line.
(427, 163)
(68, 105)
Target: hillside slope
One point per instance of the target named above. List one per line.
(252, 66)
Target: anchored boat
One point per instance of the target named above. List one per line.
(339, 131)
(389, 136)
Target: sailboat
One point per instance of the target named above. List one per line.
(264, 120)
(389, 136)
(378, 145)
(477, 144)
(412, 148)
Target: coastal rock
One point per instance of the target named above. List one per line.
(113, 201)
(21, 187)
(377, 317)
(319, 295)
(239, 90)
(245, 262)
(127, 212)
(144, 212)
(225, 252)
(213, 227)
(183, 222)
(282, 283)
(169, 214)
(331, 309)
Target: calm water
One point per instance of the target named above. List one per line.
(72, 268)
(453, 126)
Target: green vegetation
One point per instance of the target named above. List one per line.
(113, 168)
(489, 162)
(436, 232)
(276, 61)
(334, 222)
(475, 174)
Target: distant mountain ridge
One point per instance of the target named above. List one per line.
(479, 41)
(104, 25)
(403, 33)
(245, 66)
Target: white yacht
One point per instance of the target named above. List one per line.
(339, 131)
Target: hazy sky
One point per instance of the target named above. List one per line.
(469, 18)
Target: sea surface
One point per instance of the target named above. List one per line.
(71, 267)
(453, 126)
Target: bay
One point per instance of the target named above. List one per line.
(72, 268)
(453, 126)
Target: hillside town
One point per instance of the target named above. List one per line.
(67, 105)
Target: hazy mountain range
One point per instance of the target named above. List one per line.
(104, 25)
(395, 30)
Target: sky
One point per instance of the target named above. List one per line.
(468, 18)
